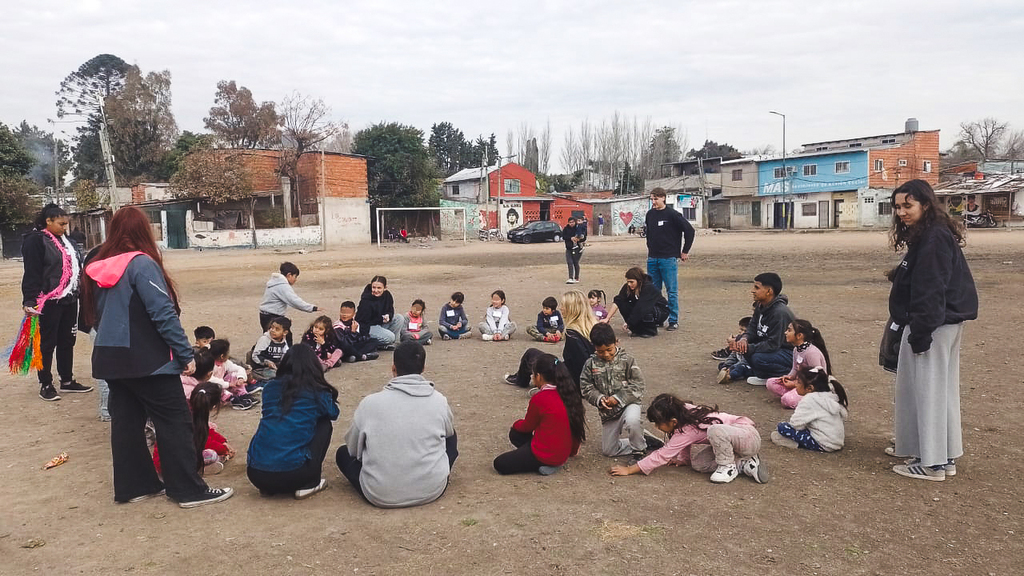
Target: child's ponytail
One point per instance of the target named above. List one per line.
(813, 336)
(554, 371)
(667, 407)
(599, 294)
(205, 398)
(820, 381)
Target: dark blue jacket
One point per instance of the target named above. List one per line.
(544, 324)
(281, 442)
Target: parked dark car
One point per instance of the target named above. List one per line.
(536, 231)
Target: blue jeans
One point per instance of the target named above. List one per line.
(802, 437)
(453, 333)
(666, 270)
(764, 365)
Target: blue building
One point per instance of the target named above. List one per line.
(814, 189)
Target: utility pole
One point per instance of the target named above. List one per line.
(785, 173)
(108, 158)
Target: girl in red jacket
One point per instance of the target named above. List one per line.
(554, 425)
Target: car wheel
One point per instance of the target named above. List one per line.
(527, 238)
(558, 238)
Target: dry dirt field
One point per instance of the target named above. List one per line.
(841, 513)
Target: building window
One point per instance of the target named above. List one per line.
(884, 209)
(856, 145)
(879, 165)
(927, 165)
(740, 208)
(511, 186)
(455, 190)
(789, 170)
(689, 213)
(868, 200)
(821, 148)
(843, 167)
(902, 162)
(809, 209)
(810, 169)
(888, 140)
(737, 175)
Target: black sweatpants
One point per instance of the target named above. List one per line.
(526, 363)
(58, 327)
(351, 467)
(158, 397)
(521, 459)
(306, 476)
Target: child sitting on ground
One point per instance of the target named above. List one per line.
(415, 327)
(190, 381)
(612, 381)
(554, 425)
(597, 302)
(550, 327)
(496, 325)
(204, 335)
(809, 351)
(453, 322)
(320, 337)
(691, 428)
(354, 345)
(724, 355)
(236, 377)
(817, 422)
(270, 348)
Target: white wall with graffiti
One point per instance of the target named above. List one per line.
(626, 213)
(451, 221)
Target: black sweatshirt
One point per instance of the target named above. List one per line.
(372, 309)
(932, 287)
(767, 329)
(666, 230)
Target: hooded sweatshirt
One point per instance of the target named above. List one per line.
(822, 415)
(767, 329)
(137, 328)
(372, 309)
(399, 436)
(279, 295)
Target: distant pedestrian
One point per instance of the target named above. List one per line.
(666, 232)
(600, 224)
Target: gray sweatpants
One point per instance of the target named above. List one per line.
(508, 330)
(612, 443)
(927, 414)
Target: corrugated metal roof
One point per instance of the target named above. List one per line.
(468, 174)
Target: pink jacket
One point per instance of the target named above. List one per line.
(677, 449)
(810, 357)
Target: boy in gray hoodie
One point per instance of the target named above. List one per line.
(279, 295)
(401, 445)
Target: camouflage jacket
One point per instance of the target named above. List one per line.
(621, 378)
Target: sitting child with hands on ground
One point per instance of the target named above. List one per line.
(271, 348)
(415, 327)
(355, 346)
(279, 295)
(550, 327)
(809, 351)
(612, 381)
(320, 337)
(554, 426)
(496, 325)
(817, 421)
(453, 322)
(705, 439)
(597, 302)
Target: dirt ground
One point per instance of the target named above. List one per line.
(841, 513)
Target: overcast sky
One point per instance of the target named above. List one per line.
(836, 69)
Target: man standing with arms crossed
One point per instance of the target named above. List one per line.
(669, 236)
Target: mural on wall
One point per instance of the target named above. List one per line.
(628, 213)
(511, 216)
(451, 222)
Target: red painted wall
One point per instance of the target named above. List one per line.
(527, 181)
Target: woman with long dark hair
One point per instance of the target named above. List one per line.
(49, 289)
(932, 294)
(643, 306)
(286, 455)
(140, 350)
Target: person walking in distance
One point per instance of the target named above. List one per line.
(669, 237)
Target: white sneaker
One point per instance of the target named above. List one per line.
(570, 281)
(487, 337)
(725, 473)
(780, 440)
(752, 467)
(755, 381)
(307, 492)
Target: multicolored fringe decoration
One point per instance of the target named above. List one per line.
(25, 356)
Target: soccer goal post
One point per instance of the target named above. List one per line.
(441, 222)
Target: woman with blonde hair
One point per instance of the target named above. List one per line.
(579, 319)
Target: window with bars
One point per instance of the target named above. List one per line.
(810, 169)
(737, 175)
(843, 167)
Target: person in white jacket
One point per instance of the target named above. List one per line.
(817, 422)
(496, 325)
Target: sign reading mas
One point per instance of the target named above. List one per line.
(812, 173)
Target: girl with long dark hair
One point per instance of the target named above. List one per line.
(643, 306)
(141, 350)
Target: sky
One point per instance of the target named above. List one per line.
(713, 68)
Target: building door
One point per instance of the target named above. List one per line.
(755, 213)
(718, 214)
(822, 213)
(837, 210)
(780, 215)
(176, 237)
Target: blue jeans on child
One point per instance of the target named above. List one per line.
(764, 365)
(666, 270)
(802, 437)
(453, 334)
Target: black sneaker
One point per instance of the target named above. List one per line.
(653, 442)
(74, 387)
(370, 356)
(511, 380)
(49, 393)
(720, 355)
(211, 496)
(672, 327)
(242, 403)
(254, 388)
(350, 359)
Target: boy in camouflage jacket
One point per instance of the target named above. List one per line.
(612, 381)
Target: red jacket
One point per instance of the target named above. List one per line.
(548, 420)
(214, 441)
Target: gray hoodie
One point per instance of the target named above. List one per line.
(279, 295)
(399, 435)
(822, 415)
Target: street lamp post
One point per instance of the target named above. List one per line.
(785, 173)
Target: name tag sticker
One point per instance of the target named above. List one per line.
(497, 313)
(450, 313)
(661, 222)
(894, 327)
(554, 320)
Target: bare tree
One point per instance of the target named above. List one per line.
(984, 136)
(764, 150)
(544, 148)
(1013, 147)
(341, 141)
(510, 140)
(307, 125)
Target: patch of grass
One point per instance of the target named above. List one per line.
(469, 521)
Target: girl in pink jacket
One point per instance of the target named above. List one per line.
(809, 351)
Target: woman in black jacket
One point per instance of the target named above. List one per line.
(573, 250)
(376, 313)
(932, 294)
(579, 319)
(642, 305)
(49, 289)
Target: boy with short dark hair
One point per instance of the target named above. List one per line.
(279, 295)
(354, 345)
(204, 335)
(612, 381)
(402, 444)
(270, 348)
(453, 323)
(550, 327)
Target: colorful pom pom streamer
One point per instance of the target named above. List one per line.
(24, 355)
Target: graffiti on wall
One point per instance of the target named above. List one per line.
(511, 216)
(628, 213)
(451, 221)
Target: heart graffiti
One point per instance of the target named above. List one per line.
(626, 217)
